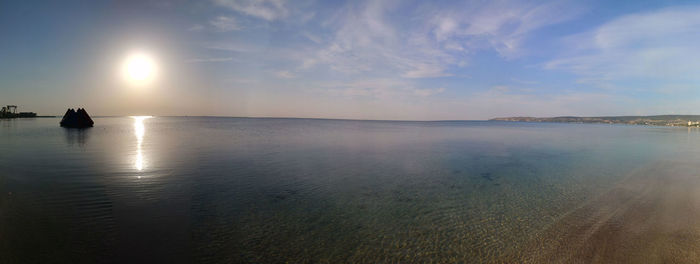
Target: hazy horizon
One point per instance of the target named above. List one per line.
(358, 119)
(369, 60)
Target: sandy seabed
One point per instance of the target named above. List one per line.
(653, 216)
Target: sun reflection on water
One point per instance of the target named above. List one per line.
(139, 131)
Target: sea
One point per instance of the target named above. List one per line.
(285, 190)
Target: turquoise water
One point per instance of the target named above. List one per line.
(196, 189)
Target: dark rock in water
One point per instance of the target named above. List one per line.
(76, 119)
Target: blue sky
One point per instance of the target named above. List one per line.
(413, 60)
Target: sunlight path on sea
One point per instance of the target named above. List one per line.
(139, 131)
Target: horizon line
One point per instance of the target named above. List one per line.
(382, 120)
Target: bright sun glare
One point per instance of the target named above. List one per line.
(139, 68)
(139, 131)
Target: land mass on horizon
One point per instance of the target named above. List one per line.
(653, 120)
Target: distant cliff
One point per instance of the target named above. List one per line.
(657, 120)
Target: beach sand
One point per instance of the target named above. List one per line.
(653, 216)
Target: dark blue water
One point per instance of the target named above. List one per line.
(180, 190)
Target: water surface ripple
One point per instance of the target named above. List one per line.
(231, 190)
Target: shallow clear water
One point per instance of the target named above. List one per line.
(194, 189)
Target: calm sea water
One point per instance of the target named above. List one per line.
(196, 189)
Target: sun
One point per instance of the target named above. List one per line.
(139, 69)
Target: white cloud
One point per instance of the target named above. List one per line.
(659, 45)
(196, 28)
(387, 89)
(312, 37)
(425, 70)
(378, 50)
(498, 25)
(224, 23)
(428, 92)
(524, 81)
(377, 88)
(235, 46)
(224, 59)
(285, 74)
(368, 39)
(265, 9)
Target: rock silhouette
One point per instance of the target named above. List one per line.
(76, 119)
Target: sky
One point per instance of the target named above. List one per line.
(390, 60)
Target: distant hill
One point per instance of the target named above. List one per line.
(656, 120)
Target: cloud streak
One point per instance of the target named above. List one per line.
(224, 23)
(264, 9)
(367, 37)
(498, 25)
(285, 75)
(225, 59)
(659, 45)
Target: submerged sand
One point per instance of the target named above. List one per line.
(653, 216)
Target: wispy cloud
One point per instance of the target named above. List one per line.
(428, 92)
(316, 39)
(225, 23)
(368, 38)
(285, 75)
(386, 89)
(524, 81)
(365, 40)
(390, 51)
(265, 9)
(658, 45)
(196, 28)
(234, 46)
(498, 25)
(211, 59)
(377, 53)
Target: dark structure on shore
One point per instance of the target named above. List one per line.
(10, 111)
(76, 119)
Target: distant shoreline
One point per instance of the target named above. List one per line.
(655, 120)
(25, 117)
